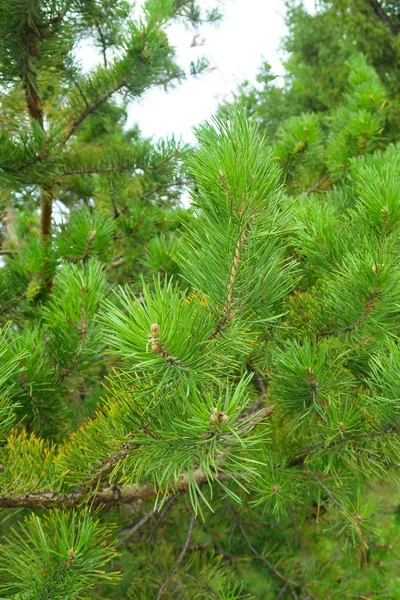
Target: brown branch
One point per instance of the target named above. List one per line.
(354, 519)
(203, 585)
(315, 186)
(35, 109)
(98, 170)
(299, 461)
(12, 303)
(114, 495)
(107, 496)
(46, 209)
(369, 304)
(180, 557)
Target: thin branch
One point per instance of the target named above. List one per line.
(283, 590)
(103, 45)
(299, 461)
(86, 252)
(323, 486)
(128, 533)
(226, 313)
(180, 557)
(162, 514)
(118, 169)
(315, 186)
(12, 303)
(77, 85)
(91, 109)
(259, 556)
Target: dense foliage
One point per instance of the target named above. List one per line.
(225, 424)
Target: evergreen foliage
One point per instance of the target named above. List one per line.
(316, 52)
(224, 426)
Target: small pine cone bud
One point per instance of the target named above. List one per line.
(156, 347)
(375, 268)
(33, 290)
(277, 489)
(154, 329)
(214, 416)
(300, 147)
(223, 417)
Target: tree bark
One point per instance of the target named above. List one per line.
(35, 108)
(382, 16)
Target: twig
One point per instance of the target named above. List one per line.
(91, 109)
(172, 499)
(130, 531)
(12, 303)
(86, 252)
(259, 556)
(180, 557)
(203, 585)
(283, 590)
(315, 186)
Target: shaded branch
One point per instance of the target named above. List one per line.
(259, 556)
(180, 557)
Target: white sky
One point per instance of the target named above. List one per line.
(250, 31)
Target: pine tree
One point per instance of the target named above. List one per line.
(315, 52)
(226, 425)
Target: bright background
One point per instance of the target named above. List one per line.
(249, 31)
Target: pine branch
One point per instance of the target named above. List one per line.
(226, 313)
(108, 496)
(299, 461)
(12, 303)
(94, 495)
(86, 252)
(100, 170)
(369, 304)
(91, 109)
(35, 108)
